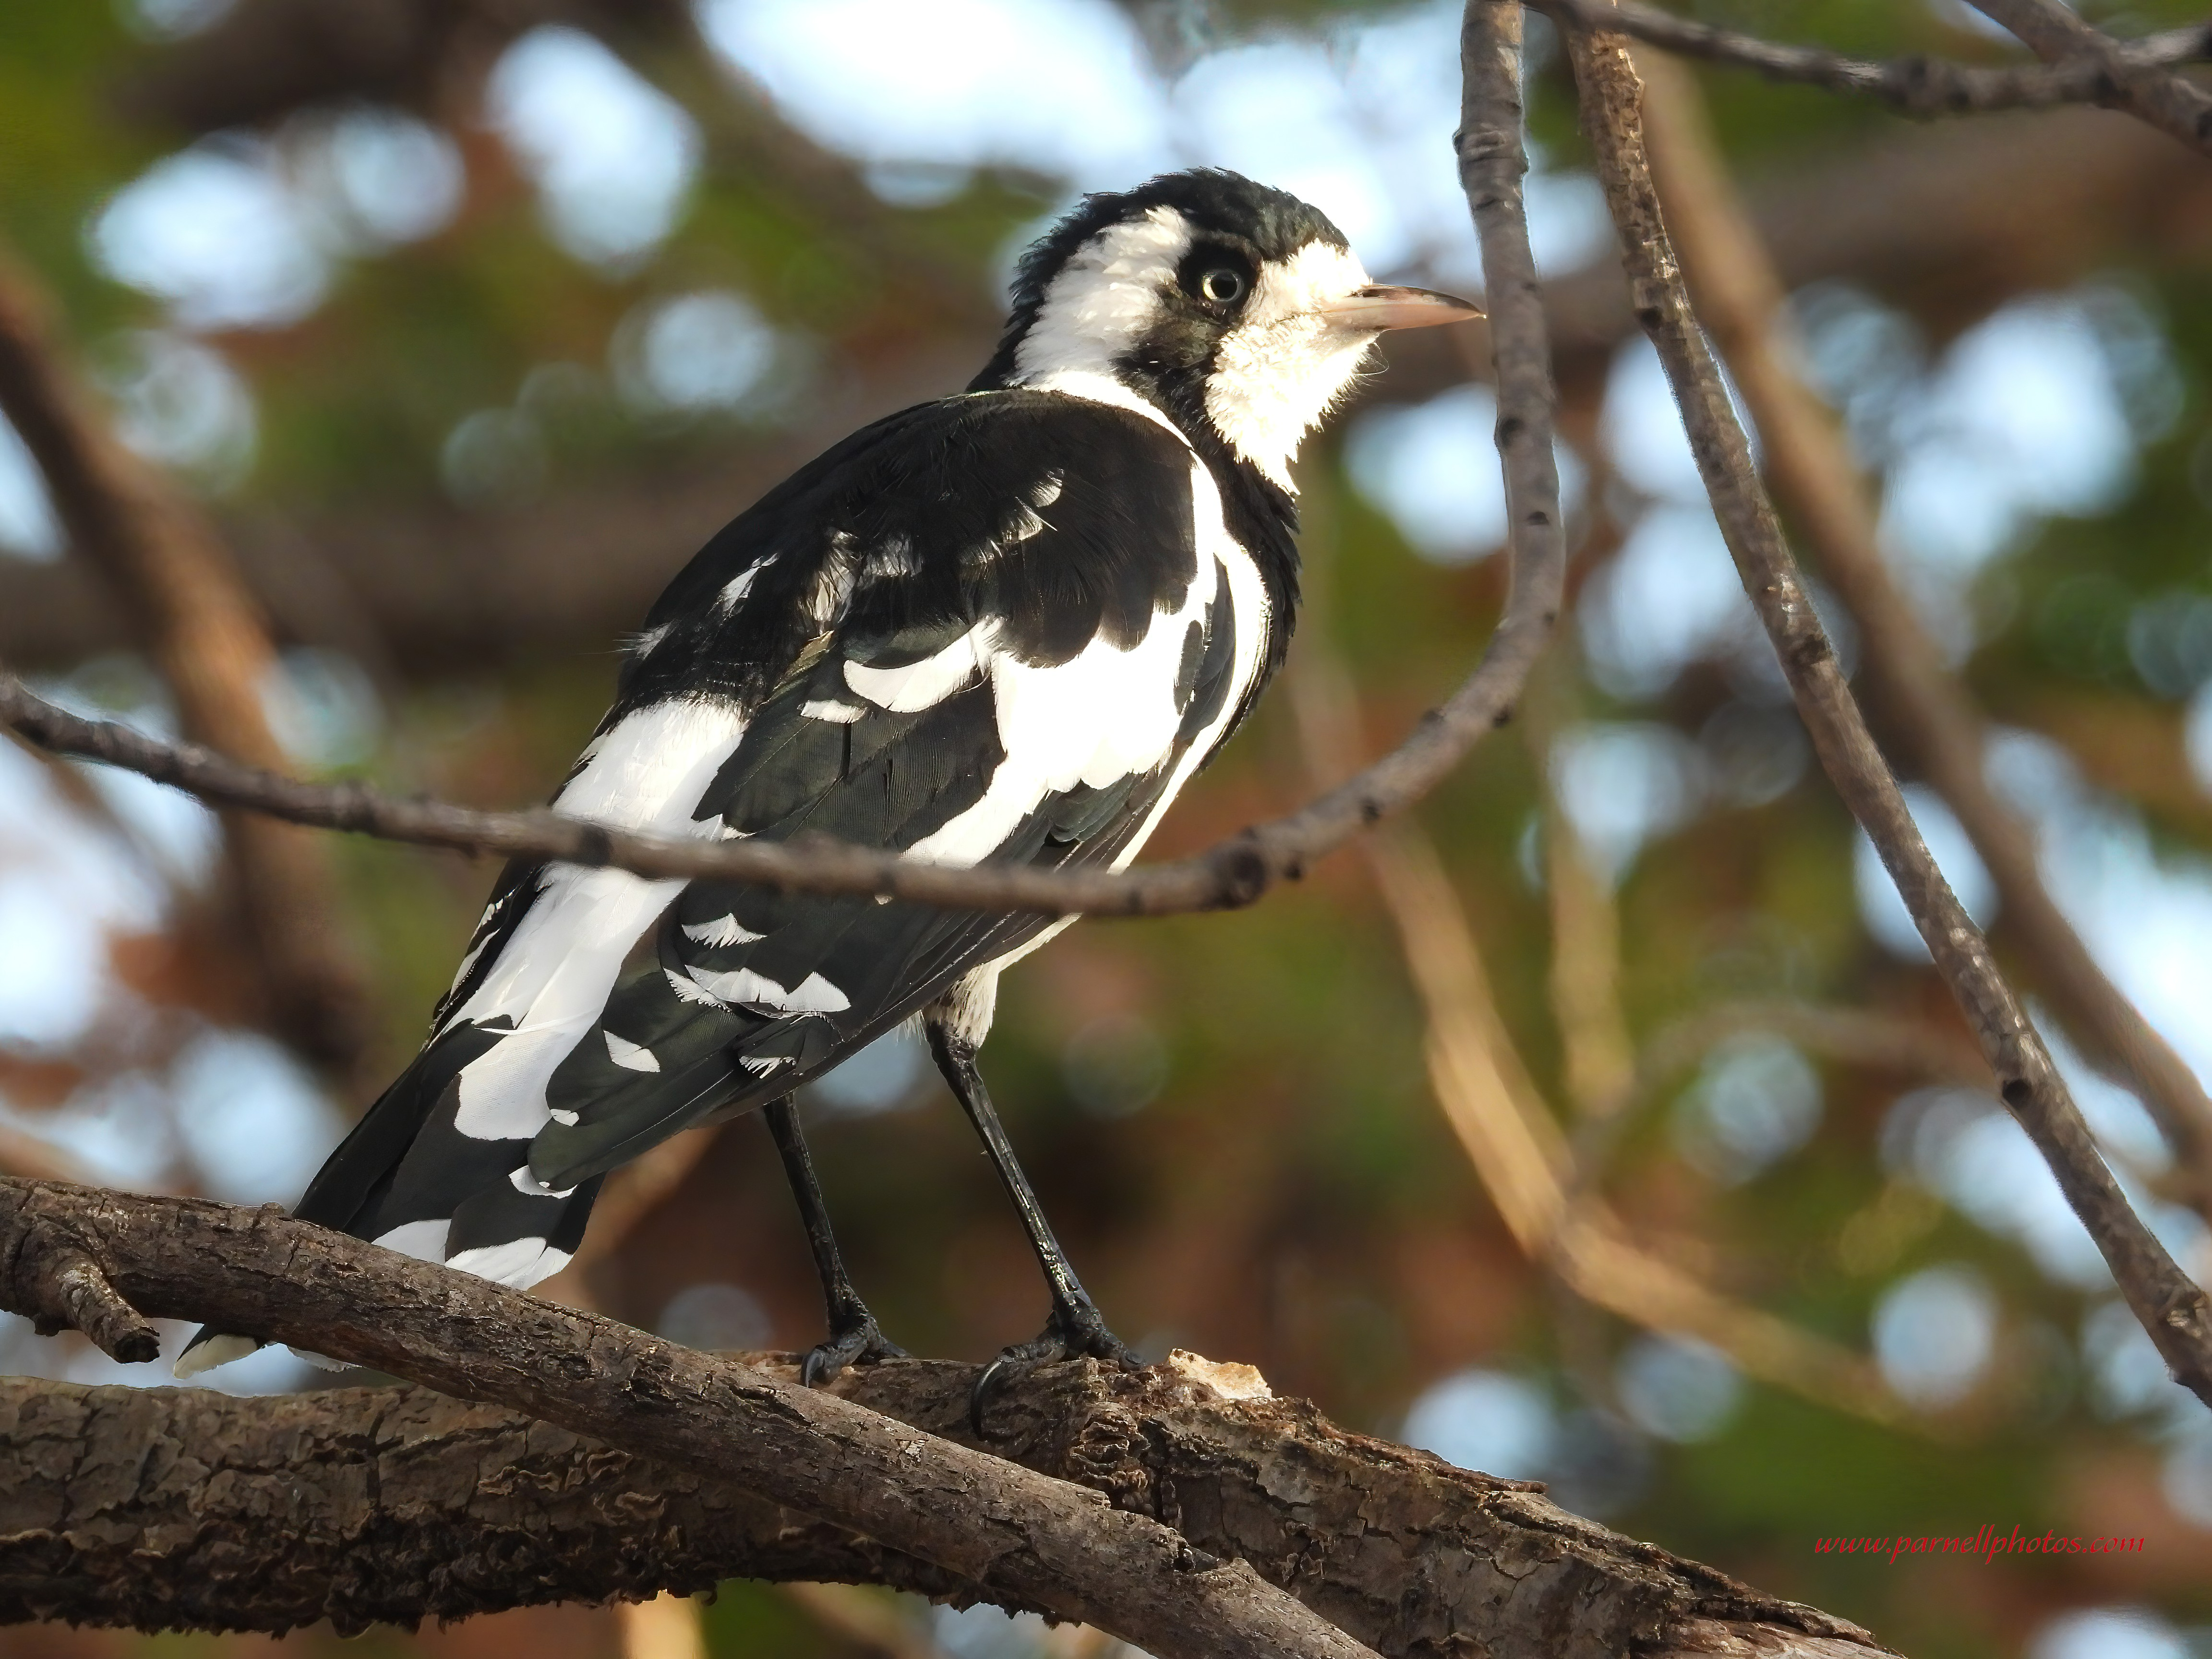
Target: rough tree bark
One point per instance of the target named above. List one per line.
(104, 1262)
(153, 1507)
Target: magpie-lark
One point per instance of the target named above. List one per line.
(1003, 627)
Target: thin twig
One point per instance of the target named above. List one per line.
(206, 635)
(1916, 85)
(1233, 872)
(2146, 90)
(1741, 301)
(1492, 1105)
(2171, 1309)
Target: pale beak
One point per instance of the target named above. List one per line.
(1374, 309)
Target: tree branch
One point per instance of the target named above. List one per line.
(1003, 1531)
(201, 626)
(1917, 85)
(1235, 872)
(399, 1504)
(1740, 298)
(2170, 1308)
(2053, 33)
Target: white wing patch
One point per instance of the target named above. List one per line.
(742, 988)
(740, 584)
(560, 964)
(1249, 596)
(722, 931)
(631, 1056)
(1102, 716)
(924, 684)
(1106, 714)
(529, 1187)
(836, 714)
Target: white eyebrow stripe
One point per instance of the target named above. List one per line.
(1104, 297)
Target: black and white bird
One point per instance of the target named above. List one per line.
(1005, 627)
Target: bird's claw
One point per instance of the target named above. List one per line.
(856, 1342)
(1076, 1333)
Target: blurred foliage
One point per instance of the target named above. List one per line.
(1229, 1117)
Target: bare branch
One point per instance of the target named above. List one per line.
(1740, 298)
(1003, 1531)
(395, 1500)
(2146, 90)
(1235, 872)
(1917, 85)
(204, 633)
(2170, 1308)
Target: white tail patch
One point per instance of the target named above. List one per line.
(423, 1240)
(518, 1264)
(215, 1350)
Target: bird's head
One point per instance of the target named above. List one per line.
(1238, 311)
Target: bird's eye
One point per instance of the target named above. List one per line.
(1224, 287)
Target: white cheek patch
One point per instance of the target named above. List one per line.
(1105, 297)
(1277, 373)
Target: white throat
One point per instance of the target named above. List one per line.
(1282, 367)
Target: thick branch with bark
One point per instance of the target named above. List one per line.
(1006, 1532)
(1917, 85)
(2170, 1308)
(400, 1505)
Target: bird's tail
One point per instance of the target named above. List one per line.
(410, 1177)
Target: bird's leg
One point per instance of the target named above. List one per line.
(1075, 1328)
(855, 1337)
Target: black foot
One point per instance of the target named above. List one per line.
(858, 1343)
(1076, 1333)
